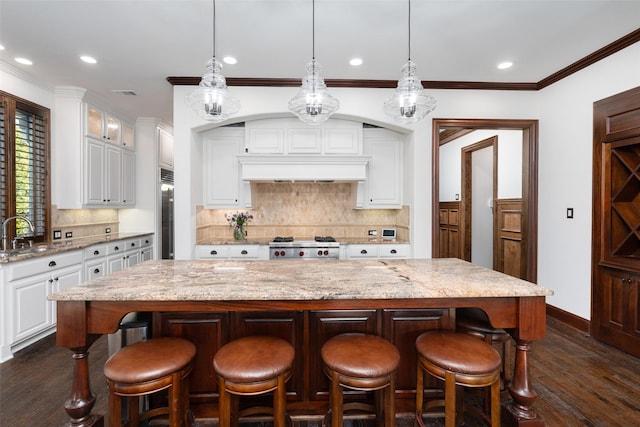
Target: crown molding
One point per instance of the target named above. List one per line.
(588, 60)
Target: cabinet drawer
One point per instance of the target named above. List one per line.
(211, 252)
(393, 251)
(362, 251)
(42, 264)
(95, 251)
(116, 247)
(244, 252)
(94, 269)
(146, 241)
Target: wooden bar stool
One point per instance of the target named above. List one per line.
(474, 321)
(365, 363)
(459, 360)
(147, 367)
(251, 366)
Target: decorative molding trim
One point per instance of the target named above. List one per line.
(569, 318)
(588, 60)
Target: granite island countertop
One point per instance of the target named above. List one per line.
(295, 280)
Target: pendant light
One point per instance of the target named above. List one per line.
(410, 103)
(211, 100)
(313, 104)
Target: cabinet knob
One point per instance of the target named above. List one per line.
(116, 248)
(214, 252)
(133, 245)
(52, 264)
(50, 280)
(363, 252)
(56, 278)
(244, 252)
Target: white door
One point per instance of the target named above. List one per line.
(482, 207)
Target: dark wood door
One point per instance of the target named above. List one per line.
(616, 221)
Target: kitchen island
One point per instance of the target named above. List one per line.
(373, 290)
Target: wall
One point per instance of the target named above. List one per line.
(304, 210)
(566, 144)
(509, 163)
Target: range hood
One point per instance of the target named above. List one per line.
(303, 168)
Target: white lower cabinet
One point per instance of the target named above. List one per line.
(377, 250)
(30, 282)
(234, 252)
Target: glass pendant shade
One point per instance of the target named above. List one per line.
(410, 103)
(313, 104)
(211, 100)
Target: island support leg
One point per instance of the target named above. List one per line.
(79, 405)
(519, 411)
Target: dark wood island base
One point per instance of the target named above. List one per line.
(214, 320)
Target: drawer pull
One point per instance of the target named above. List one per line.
(96, 271)
(393, 251)
(133, 245)
(52, 264)
(213, 252)
(117, 248)
(96, 252)
(244, 252)
(363, 252)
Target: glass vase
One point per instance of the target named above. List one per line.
(238, 232)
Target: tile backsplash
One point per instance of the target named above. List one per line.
(303, 210)
(84, 222)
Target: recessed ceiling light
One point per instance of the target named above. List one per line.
(505, 65)
(23, 61)
(1, 47)
(355, 62)
(229, 60)
(88, 59)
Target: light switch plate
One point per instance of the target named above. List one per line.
(569, 212)
(57, 234)
(68, 234)
(373, 232)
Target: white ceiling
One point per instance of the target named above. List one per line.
(139, 43)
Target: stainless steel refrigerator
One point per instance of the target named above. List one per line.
(166, 188)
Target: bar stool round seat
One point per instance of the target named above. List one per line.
(361, 362)
(251, 366)
(148, 367)
(474, 321)
(459, 360)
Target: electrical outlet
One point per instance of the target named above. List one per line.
(569, 212)
(68, 234)
(57, 234)
(107, 230)
(373, 232)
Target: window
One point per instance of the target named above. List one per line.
(24, 165)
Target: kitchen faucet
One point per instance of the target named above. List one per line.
(4, 228)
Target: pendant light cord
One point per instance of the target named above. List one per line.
(409, 26)
(313, 30)
(213, 31)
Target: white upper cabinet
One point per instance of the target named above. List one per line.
(383, 187)
(89, 168)
(222, 185)
(165, 149)
(102, 125)
(290, 136)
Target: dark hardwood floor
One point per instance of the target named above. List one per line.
(580, 382)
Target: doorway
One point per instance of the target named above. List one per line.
(479, 187)
(525, 218)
